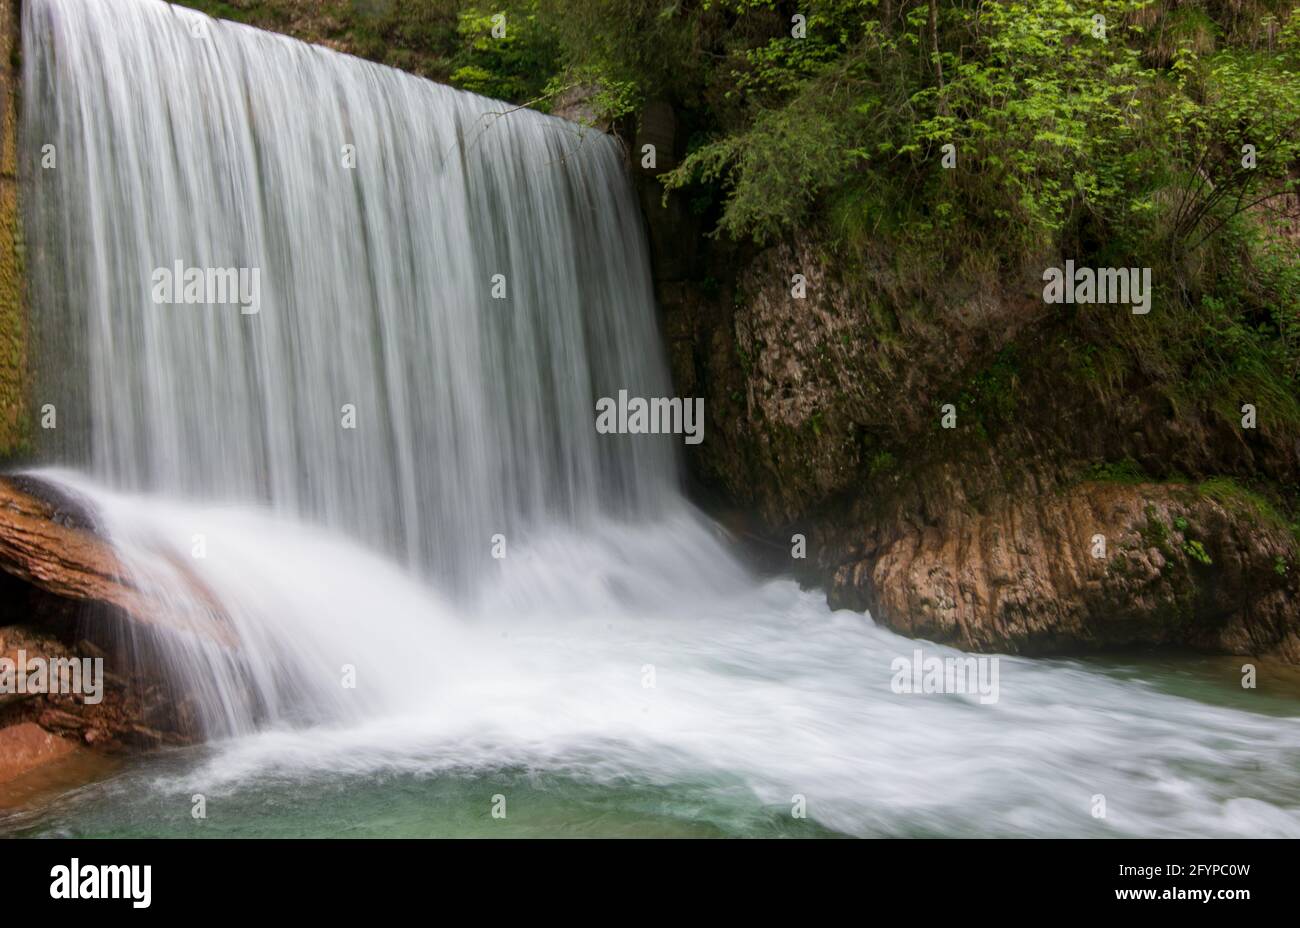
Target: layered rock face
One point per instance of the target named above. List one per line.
(1092, 566)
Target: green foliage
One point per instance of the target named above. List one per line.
(803, 108)
(632, 50)
(222, 10)
(1223, 335)
(609, 100)
(516, 64)
(1221, 103)
(1196, 551)
(1058, 132)
(419, 37)
(778, 168)
(1043, 113)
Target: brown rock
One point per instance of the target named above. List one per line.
(40, 543)
(26, 746)
(1178, 569)
(66, 560)
(135, 709)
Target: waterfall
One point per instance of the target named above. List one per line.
(427, 292)
(383, 217)
(618, 661)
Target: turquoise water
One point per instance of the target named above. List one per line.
(132, 804)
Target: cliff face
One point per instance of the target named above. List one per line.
(1059, 511)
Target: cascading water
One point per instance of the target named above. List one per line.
(463, 281)
(443, 290)
(617, 654)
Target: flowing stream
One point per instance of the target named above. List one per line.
(444, 286)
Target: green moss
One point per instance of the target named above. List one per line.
(15, 422)
(881, 463)
(1238, 498)
(1155, 534)
(1126, 471)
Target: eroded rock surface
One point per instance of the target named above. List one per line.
(1098, 565)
